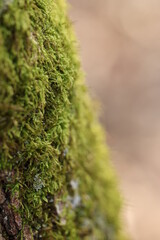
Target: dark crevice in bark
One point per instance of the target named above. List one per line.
(10, 219)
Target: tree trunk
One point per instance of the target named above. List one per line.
(55, 178)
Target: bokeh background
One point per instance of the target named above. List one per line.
(120, 51)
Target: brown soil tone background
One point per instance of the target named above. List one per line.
(120, 49)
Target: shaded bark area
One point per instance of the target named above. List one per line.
(10, 219)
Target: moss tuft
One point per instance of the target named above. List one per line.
(53, 158)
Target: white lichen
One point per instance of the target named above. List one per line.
(38, 183)
(60, 211)
(59, 208)
(74, 184)
(6, 218)
(65, 152)
(74, 201)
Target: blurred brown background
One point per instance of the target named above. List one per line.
(120, 49)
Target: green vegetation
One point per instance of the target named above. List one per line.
(54, 169)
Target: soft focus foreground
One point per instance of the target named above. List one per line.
(120, 50)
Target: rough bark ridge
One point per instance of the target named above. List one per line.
(55, 178)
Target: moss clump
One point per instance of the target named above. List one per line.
(54, 169)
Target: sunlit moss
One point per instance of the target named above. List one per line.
(51, 142)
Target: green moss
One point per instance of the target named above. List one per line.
(51, 142)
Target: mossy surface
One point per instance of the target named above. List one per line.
(52, 150)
